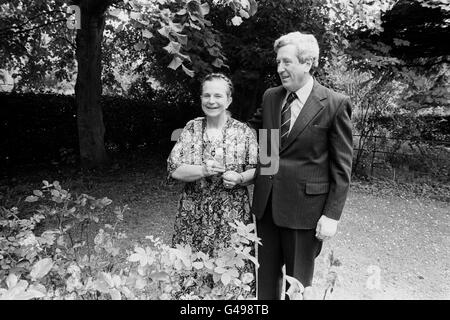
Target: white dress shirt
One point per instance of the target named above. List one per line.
(297, 105)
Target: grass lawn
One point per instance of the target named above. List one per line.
(405, 237)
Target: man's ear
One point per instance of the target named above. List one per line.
(309, 65)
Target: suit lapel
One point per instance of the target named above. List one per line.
(313, 105)
(278, 98)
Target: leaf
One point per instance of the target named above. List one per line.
(247, 277)
(115, 12)
(38, 193)
(253, 7)
(182, 38)
(55, 193)
(141, 270)
(400, 42)
(309, 293)
(217, 63)
(141, 256)
(295, 296)
(254, 260)
(139, 46)
(41, 268)
(193, 25)
(236, 21)
(117, 281)
(209, 265)
(204, 9)
(220, 270)
(146, 34)
(244, 14)
(160, 276)
(189, 72)
(108, 279)
(135, 257)
(37, 290)
(140, 283)
(11, 281)
(135, 15)
(164, 31)
(105, 201)
(175, 63)
(100, 285)
(61, 241)
(197, 265)
(176, 27)
(16, 292)
(225, 278)
(31, 199)
(295, 289)
(173, 47)
(115, 294)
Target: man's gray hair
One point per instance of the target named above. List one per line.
(306, 44)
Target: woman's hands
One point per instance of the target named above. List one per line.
(231, 179)
(211, 168)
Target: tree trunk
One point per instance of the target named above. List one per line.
(88, 87)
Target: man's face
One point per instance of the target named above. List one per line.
(292, 72)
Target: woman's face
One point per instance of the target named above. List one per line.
(215, 98)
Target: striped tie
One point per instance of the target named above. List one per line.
(286, 117)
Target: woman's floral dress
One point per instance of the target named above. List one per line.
(206, 206)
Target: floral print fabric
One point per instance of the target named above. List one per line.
(206, 207)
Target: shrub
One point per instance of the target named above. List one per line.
(64, 262)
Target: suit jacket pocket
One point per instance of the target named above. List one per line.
(318, 132)
(319, 127)
(317, 188)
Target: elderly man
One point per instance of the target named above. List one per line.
(298, 205)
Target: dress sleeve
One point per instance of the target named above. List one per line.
(182, 151)
(251, 149)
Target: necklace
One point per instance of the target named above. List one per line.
(216, 139)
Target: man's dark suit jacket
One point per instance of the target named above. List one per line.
(315, 163)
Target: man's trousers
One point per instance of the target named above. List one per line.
(296, 249)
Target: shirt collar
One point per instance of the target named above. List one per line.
(304, 92)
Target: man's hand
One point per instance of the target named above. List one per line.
(326, 228)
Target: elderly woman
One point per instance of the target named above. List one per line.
(216, 157)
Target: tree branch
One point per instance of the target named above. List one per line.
(31, 29)
(29, 20)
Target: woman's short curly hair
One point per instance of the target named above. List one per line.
(306, 44)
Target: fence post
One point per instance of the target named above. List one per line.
(374, 149)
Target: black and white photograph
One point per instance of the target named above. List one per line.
(238, 150)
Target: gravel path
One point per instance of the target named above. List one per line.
(407, 239)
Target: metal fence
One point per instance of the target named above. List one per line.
(381, 152)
